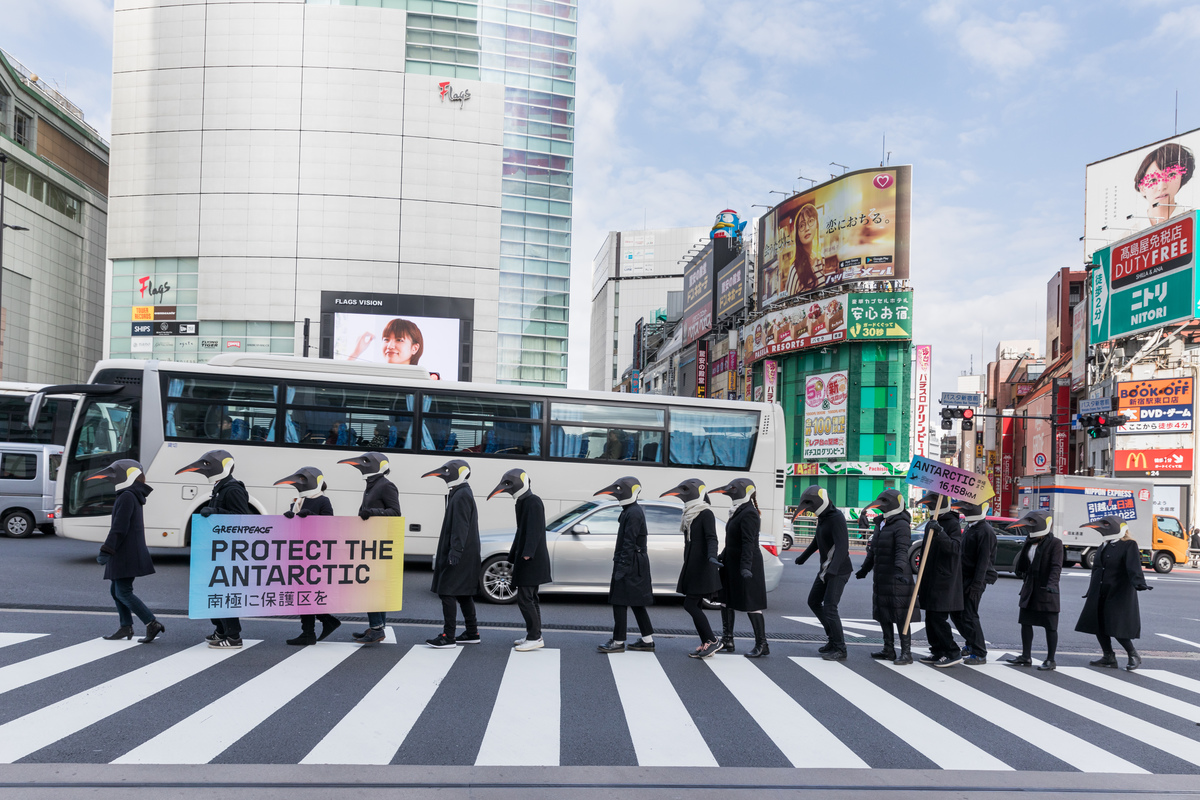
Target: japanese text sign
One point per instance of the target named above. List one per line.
(957, 484)
(1162, 405)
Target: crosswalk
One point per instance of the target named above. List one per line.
(673, 711)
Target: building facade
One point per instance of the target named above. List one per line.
(276, 161)
(56, 187)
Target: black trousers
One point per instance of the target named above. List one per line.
(621, 620)
(229, 627)
(967, 622)
(691, 604)
(823, 599)
(450, 606)
(941, 638)
(308, 622)
(531, 610)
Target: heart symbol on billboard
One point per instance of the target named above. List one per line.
(882, 180)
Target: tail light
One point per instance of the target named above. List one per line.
(50, 515)
(772, 549)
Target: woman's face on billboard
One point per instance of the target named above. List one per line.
(1160, 186)
(806, 229)
(399, 350)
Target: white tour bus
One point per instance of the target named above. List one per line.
(276, 414)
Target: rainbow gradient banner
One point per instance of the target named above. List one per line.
(258, 566)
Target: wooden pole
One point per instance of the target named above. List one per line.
(912, 602)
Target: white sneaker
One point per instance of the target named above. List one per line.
(529, 644)
(519, 642)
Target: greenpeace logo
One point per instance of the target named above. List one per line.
(241, 530)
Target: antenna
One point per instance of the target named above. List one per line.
(1176, 112)
(883, 151)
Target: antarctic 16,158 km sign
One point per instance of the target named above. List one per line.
(957, 484)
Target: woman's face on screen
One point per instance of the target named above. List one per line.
(1160, 186)
(399, 350)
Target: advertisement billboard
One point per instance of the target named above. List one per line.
(770, 381)
(1153, 463)
(1078, 345)
(880, 315)
(923, 385)
(852, 228)
(825, 399)
(702, 369)
(698, 297)
(1163, 405)
(796, 328)
(731, 287)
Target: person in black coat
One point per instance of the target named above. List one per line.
(978, 570)
(311, 486)
(700, 576)
(529, 555)
(1039, 565)
(124, 554)
(832, 541)
(380, 499)
(887, 557)
(1111, 608)
(630, 585)
(229, 496)
(941, 590)
(456, 565)
(743, 582)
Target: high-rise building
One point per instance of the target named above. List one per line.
(345, 162)
(55, 212)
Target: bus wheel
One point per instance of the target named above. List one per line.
(1163, 561)
(1087, 559)
(496, 581)
(18, 524)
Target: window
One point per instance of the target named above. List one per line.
(53, 462)
(606, 432)
(568, 518)
(712, 438)
(481, 425)
(18, 467)
(108, 428)
(221, 409)
(23, 129)
(604, 521)
(350, 416)
(1165, 524)
(663, 520)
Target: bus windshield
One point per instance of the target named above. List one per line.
(107, 431)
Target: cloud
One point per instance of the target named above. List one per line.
(1179, 26)
(1004, 48)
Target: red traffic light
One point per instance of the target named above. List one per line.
(968, 413)
(1101, 420)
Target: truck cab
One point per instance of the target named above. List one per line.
(1169, 544)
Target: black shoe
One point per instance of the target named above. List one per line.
(371, 636)
(226, 644)
(760, 649)
(835, 655)
(641, 646)
(153, 629)
(974, 660)
(929, 659)
(948, 661)
(123, 632)
(1018, 661)
(360, 634)
(465, 637)
(1135, 661)
(825, 648)
(888, 653)
(727, 645)
(215, 636)
(611, 646)
(706, 650)
(904, 659)
(328, 625)
(1047, 666)
(966, 652)
(1107, 660)
(304, 639)
(441, 642)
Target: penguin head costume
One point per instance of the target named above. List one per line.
(690, 491)
(738, 490)
(122, 474)
(815, 500)
(625, 490)
(930, 501)
(971, 512)
(1110, 528)
(454, 472)
(308, 481)
(215, 465)
(369, 464)
(889, 503)
(515, 482)
(1036, 524)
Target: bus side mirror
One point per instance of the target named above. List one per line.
(579, 530)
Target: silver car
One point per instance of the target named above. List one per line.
(581, 543)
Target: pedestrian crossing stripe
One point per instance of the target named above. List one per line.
(525, 723)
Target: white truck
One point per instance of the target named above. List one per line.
(1074, 500)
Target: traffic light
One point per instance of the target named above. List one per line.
(947, 419)
(968, 419)
(1098, 425)
(967, 415)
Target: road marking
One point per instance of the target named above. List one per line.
(860, 624)
(34, 669)
(524, 727)
(1177, 745)
(1177, 681)
(939, 744)
(373, 731)
(798, 735)
(1177, 639)
(1079, 753)
(662, 731)
(210, 731)
(43, 727)
(16, 638)
(1141, 694)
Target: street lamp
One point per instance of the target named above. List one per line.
(843, 166)
(3, 225)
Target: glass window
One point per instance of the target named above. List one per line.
(108, 428)
(350, 416)
(517, 407)
(221, 409)
(482, 425)
(18, 467)
(53, 462)
(605, 414)
(605, 443)
(712, 438)
(604, 521)
(663, 520)
(214, 389)
(1165, 524)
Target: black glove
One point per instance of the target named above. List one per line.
(862, 573)
(1145, 587)
(933, 526)
(363, 515)
(206, 511)
(715, 561)
(302, 513)
(975, 594)
(747, 574)
(103, 558)
(289, 513)
(1051, 590)
(453, 558)
(801, 559)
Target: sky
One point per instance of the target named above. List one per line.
(687, 107)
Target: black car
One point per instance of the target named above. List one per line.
(1008, 545)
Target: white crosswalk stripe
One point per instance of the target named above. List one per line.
(1178, 681)
(1141, 694)
(524, 727)
(7, 639)
(23, 673)
(44, 727)
(663, 732)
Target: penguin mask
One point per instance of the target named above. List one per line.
(739, 490)
(815, 500)
(514, 482)
(215, 464)
(625, 491)
(930, 501)
(1110, 528)
(122, 474)
(689, 491)
(308, 481)
(454, 472)
(890, 503)
(369, 464)
(971, 512)
(1035, 524)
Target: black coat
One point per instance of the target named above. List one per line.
(978, 556)
(316, 506)
(126, 541)
(460, 535)
(380, 498)
(229, 497)
(530, 543)
(742, 552)
(631, 585)
(1111, 606)
(699, 575)
(1040, 592)
(942, 581)
(832, 541)
(887, 557)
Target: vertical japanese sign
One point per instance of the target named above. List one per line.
(923, 384)
(702, 368)
(770, 378)
(698, 298)
(1079, 345)
(825, 399)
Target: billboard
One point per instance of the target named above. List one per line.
(698, 297)
(1153, 463)
(1078, 346)
(1162, 405)
(825, 399)
(796, 328)
(880, 315)
(731, 287)
(1141, 188)
(430, 332)
(923, 383)
(852, 228)
(770, 381)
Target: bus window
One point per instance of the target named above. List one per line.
(609, 433)
(481, 425)
(52, 423)
(221, 409)
(712, 438)
(334, 415)
(107, 431)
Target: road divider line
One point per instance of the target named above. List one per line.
(1066, 747)
(1182, 641)
(936, 742)
(373, 731)
(210, 731)
(662, 731)
(23, 673)
(41, 728)
(523, 730)
(799, 736)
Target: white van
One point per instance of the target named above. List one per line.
(28, 475)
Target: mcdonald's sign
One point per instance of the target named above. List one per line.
(1153, 463)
